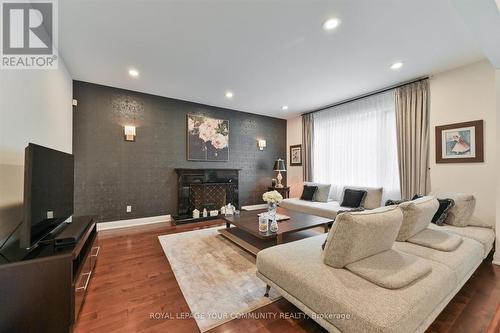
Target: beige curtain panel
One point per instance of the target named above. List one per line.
(412, 122)
(307, 146)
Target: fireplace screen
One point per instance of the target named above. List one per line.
(210, 196)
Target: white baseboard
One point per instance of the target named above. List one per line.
(132, 222)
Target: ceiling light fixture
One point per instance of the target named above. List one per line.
(133, 72)
(284, 107)
(331, 23)
(229, 94)
(397, 65)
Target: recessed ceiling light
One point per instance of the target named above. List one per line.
(133, 72)
(229, 94)
(331, 23)
(397, 65)
(284, 107)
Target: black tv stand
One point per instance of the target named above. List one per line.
(44, 290)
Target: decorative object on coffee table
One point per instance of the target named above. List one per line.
(279, 165)
(274, 224)
(460, 142)
(284, 191)
(296, 155)
(207, 139)
(272, 198)
(263, 223)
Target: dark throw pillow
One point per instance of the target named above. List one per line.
(308, 192)
(391, 202)
(444, 207)
(353, 198)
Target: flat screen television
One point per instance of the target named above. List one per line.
(48, 192)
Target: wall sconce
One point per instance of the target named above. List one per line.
(129, 132)
(261, 144)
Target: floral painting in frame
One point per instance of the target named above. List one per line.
(460, 142)
(207, 138)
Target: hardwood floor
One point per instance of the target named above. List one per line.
(133, 281)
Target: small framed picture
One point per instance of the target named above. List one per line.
(296, 155)
(460, 142)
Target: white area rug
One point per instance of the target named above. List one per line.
(216, 277)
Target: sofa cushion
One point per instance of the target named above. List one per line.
(322, 193)
(460, 214)
(324, 209)
(462, 261)
(485, 236)
(298, 269)
(373, 196)
(417, 214)
(391, 269)
(437, 240)
(358, 235)
(353, 198)
(308, 192)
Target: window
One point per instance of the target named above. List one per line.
(355, 144)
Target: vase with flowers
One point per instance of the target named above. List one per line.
(273, 198)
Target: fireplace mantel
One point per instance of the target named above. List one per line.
(208, 188)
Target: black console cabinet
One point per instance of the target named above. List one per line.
(45, 290)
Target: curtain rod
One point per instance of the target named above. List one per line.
(379, 91)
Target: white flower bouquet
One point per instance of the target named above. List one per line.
(272, 197)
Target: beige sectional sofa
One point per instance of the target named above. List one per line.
(382, 270)
(331, 206)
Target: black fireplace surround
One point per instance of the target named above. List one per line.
(208, 189)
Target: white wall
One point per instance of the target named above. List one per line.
(35, 106)
(464, 94)
(294, 173)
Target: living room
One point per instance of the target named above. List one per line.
(271, 166)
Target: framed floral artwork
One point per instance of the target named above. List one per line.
(207, 139)
(460, 142)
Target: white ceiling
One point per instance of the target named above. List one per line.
(269, 53)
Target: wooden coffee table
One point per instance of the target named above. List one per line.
(244, 229)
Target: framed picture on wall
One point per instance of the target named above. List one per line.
(296, 155)
(207, 139)
(460, 142)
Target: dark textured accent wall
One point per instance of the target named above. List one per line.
(111, 173)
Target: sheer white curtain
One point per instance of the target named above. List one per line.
(355, 144)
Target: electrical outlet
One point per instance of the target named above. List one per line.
(129, 209)
(50, 214)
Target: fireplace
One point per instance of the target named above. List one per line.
(205, 188)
